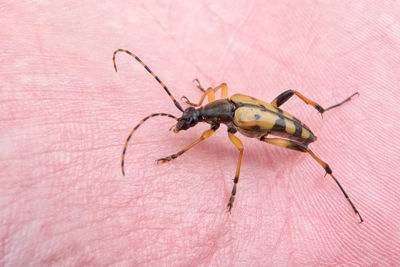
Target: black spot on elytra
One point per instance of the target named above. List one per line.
(298, 128)
(279, 126)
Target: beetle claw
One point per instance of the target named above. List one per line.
(187, 101)
(229, 206)
(162, 160)
(198, 84)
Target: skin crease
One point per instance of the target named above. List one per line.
(65, 115)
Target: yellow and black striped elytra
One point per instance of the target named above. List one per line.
(244, 114)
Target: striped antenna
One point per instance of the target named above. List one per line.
(152, 73)
(134, 129)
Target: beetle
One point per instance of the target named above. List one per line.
(247, 115)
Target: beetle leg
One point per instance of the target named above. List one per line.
(198, 85)
(205, 135)
(210, 93)
(303, 148)
(224, 90)
(282, 98)
(238, 144)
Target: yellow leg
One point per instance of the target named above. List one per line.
(205, 135)
(238, 144)
(303, 148)
(210, 93)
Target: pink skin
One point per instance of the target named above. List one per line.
(65, 115)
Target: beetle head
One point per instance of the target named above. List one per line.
(190, 118)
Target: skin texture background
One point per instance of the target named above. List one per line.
(65, 115)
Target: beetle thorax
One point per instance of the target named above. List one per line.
(216, 112)
(219, 111)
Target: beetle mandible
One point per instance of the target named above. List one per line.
(245, 114)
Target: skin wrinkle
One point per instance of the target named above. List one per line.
(64, 201)
(226, 64)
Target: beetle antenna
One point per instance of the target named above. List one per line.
(134, 129)
(152, 73)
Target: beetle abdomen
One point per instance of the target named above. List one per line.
(256, 118)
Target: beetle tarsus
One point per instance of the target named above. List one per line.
(229, 206)
(163, 160)
(198, 85)
(187, 101)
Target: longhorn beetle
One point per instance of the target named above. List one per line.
(246, 114)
